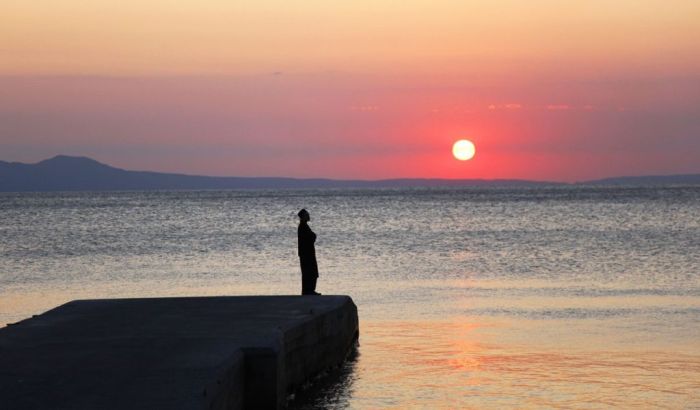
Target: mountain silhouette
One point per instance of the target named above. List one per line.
(69, 173)
(678, 179)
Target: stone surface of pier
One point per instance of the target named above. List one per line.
(174, 353)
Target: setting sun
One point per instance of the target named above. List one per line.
(463, 150)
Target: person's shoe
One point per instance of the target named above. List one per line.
(315, 294)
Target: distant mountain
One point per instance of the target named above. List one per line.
(66, 173)
(683, 179)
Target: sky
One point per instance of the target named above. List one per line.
(547, 90)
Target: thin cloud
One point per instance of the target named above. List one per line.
(364, 108)
(509, 106)
(559, 107)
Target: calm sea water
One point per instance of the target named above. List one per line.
(574, 297)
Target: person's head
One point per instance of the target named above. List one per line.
(304, 215)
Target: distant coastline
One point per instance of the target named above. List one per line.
(70, 173)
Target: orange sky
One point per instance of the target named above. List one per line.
(559, 90)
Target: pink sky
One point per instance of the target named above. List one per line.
(546, 89)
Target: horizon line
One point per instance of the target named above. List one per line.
(388, 179)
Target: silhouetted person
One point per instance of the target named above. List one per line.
(307, 254)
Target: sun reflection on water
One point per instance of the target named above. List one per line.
(456, 364)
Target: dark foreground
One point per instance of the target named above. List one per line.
(175, 353)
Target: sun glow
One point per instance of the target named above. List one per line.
(463, 150)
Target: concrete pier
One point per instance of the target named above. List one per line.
(173, 353)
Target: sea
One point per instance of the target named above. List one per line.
(563, 297)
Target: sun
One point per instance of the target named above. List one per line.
(463, 150)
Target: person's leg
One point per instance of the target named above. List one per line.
(304, 277)
(309, 275)
(313, 276)
(312, 285)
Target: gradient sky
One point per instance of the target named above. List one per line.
(554, 90)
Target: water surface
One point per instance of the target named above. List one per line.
(573, 297)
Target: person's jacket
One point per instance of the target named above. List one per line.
(306, 237)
